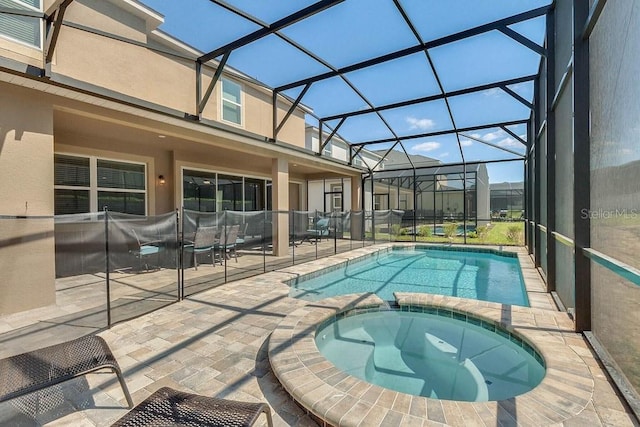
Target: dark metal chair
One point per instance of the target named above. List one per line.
(228, 241)
(144, 250)
(203, 242)
(320, 229)
(38, 369)
(169, 407)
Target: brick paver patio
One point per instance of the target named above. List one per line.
(216, 343)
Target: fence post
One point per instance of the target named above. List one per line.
(293, 235)
(224, 249)
(415, 223)
(107, 266)
(373, 225)
(363, 228)
(315, 226)
(335, 232)
(179, 242)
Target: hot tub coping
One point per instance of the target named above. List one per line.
(336, 398)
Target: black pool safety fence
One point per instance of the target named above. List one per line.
(123, 266)
(119, 266)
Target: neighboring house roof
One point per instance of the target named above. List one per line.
(507, 186)
(433, 170)
(396, 159)
(314, 131)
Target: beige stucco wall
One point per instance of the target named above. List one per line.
(152, 76)
(26, 177)
(36, 124)
(295, 199)
(107, 17)
(125, 68)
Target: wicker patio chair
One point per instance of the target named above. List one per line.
(38, 369)
(169, 407)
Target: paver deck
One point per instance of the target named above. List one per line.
(216, 343)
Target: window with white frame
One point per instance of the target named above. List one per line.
(402, 202)
(89, 184)
(336, 197)
(231, 102)
(381, 201)
(207, 191)
(327, 150)
(20, 21)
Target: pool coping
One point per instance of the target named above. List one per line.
(336, 398)
(535, 288)
(333, 397)
(529, 286)
(444, 312)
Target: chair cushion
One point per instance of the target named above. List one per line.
(149, 250)
(322, 223)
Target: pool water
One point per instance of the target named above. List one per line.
(431, 355)
(476, 275)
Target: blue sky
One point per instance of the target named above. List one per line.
(357, 30)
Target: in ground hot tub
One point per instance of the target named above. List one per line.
(432, 354)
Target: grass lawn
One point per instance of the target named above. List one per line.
(499, 233)
(505, 233)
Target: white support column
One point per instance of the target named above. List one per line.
(280, 183)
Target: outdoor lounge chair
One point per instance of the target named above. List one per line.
(169, 407)
(203, 242)
(45, 367)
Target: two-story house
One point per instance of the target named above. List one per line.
(98, 107)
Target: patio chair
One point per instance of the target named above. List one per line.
(144, 250)
(204, 241)
(242, 230)
(319, 230)
(228, 241)
(169, 407)
(38, 369)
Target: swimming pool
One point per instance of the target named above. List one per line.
(432, 355)
(479, 274)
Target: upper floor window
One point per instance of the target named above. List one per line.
(231, 102)
(327, 150)
(20, 26)
(88, 184)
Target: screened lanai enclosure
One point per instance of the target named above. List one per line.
(434, 196)
(434, 105)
